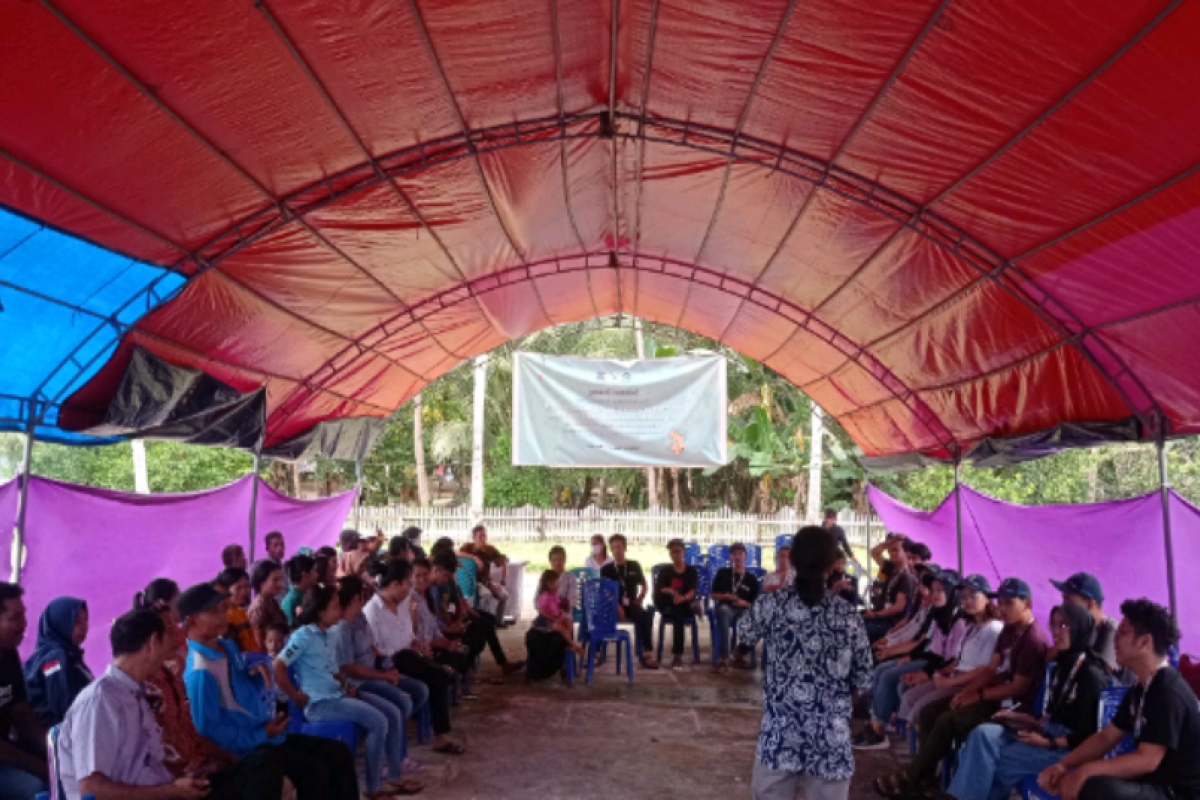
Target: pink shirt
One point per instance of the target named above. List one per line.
(548, 605)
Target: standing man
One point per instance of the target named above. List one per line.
(355, 554)
(23, 769)
(829, 523)
(632, 585)
(233, 556)
(734, 590)
(1160, 712)
(275, 550)
(1083, 589)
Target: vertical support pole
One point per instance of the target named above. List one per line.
(651, 473)
(357, 491)
(1164, 488)
(480, 406)
(254, 501)
(816, 463)
(958, 512)
(141, 478)
(18, 553)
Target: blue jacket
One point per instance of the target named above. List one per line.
(55, 674)
(235, 722)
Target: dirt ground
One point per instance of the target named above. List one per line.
(670, 735)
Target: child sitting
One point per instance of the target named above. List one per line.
(277, 636)
(550, 610)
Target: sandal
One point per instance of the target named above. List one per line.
(891, 786)
(451, 749)
(405, 786)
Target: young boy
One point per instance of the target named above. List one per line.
(302, 572)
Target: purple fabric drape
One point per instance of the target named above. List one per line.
(1120, 542)
(105, 546)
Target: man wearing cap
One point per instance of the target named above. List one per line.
(1012, 676)
(227, 706)
(734, 590)
(1084, 590)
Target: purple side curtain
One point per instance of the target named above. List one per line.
(1120, 542)
(104, 546)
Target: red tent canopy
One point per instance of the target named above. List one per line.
(944, 221)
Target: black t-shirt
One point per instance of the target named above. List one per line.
(1170, 717)
(629, 577)
(682, 583)
(745, 586)
(12, 688)
(902, 582)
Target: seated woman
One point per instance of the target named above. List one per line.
(774, 581)
(55, 673)
(234, 582)
(599, 556)
(934, 682)
(327, 696)
(936, 643)
(999, 755)
(267, 582)
(551, 635)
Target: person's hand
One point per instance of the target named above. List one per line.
(277, 725)
(1071, 783)
(264, 672)
(1051, 777)
(915, 678)
(392, 676)
(941, 681)
(964, 698)
(301, 700)
(189, 787)
(1035, 739)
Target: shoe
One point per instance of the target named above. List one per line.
(512, 666)
(649, 663)
(677, 662)
(870, 740)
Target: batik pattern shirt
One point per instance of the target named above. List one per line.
(819, 656)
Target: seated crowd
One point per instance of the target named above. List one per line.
(199, 698)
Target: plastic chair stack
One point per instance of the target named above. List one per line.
(692, 552)
(718, 556)
(581, 574)
(753, 555)
(600, 599)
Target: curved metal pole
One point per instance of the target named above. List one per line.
(1164, 488)
(958, 512)
(254, 501)
(357, 491)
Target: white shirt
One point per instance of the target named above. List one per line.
(592, 563)
(390, 632)
(978, 646)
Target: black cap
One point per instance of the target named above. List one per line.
(1014, 589)
(1084, 584)
(198, 599)
(947, 577)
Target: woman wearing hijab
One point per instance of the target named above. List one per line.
(999, 755)
(55, 673)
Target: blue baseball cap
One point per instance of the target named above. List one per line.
(1084, 584)
(948, 578)
(978, 583)
(1014, 589)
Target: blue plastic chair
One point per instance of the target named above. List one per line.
(718, 556)
(344, 732)
(581, 574)
(702, 571)
(691, 552)
(1110, 701)
(600, 599)
(753, 555)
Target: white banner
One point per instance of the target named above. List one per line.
(593, 412)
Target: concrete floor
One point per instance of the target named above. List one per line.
(670, 735)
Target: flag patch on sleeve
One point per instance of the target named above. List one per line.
(51, 667)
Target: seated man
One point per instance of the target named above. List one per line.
(493, 596)
(476, 629)
(1083, 589)
(234, 556)
(428, 639)
(228, 709)
(23, 769)
(1017, 665)
(632, 585)
(109, 745)
(898, 594)
(1160, 712)
(674, 593)
(733, 590)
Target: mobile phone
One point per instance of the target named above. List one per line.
(281, 708)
